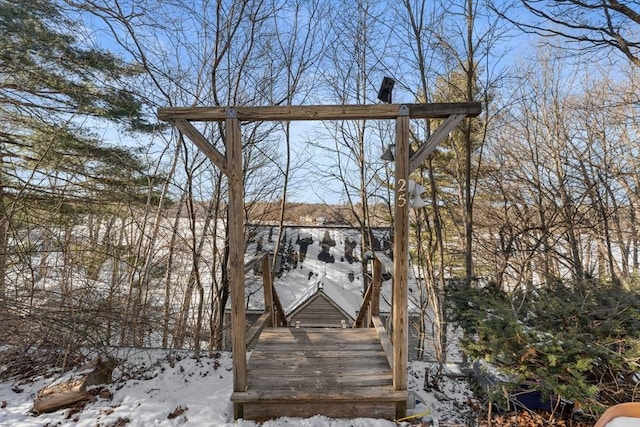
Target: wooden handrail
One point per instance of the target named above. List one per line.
(248, 266)
(280, 311)
(364, 307)
(271, 298)
(257, 327)
(384, 338)
(384, 259)
(371, 300)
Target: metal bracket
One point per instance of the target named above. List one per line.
(231, 113)
(403, 110)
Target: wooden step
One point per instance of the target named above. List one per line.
(262, 412)
(336, 402)
(296, 394)
(340, 373)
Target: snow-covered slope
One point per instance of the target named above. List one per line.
(162, 388)
(158, 388)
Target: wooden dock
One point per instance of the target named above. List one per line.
(341, 373)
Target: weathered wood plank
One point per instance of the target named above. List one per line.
(320, 339)
(282, 319)
(319, 332)
(257, 327)
(336, 347)
(339, 394)
(329, 341)
(400, 337)
(436, 138)
(233, 143)
(364, 307)
(324, 331)
(203, 144)
(387, 263)
(248, 266)
(320, 112)
(384, 338)
(376, 284)
(267, 285)
(313, 353)
(320, 366)
(314, 383)
(307, 340)
(312, 373)
(311, 339)
(264, 412)
(375, 357)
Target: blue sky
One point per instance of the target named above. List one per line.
(176, 44)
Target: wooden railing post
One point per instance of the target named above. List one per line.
(377, 284)
(368, 316)
(267, 283)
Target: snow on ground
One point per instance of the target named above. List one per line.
(158, 388)
(163, 388)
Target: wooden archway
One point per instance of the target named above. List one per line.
(230, 163)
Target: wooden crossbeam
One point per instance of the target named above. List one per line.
(320, 112)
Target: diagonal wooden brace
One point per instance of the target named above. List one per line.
(203, 144)
(436, 138)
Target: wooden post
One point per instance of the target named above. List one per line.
(401, 257)
(377, 284)
(233, 142)
(267, 283)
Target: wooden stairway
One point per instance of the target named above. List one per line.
(340, 373)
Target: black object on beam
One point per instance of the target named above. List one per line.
(384, 94)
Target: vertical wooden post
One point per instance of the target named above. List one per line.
(377, 284)
(233, 143)
(267, 283)
(401, 257)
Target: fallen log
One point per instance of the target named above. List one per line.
(59, 400)
(73, 389)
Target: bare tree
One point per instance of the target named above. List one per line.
(214, 60)
(592, 26)
(300, 46)
(564, 179)
(445, 49)
(356, 64)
